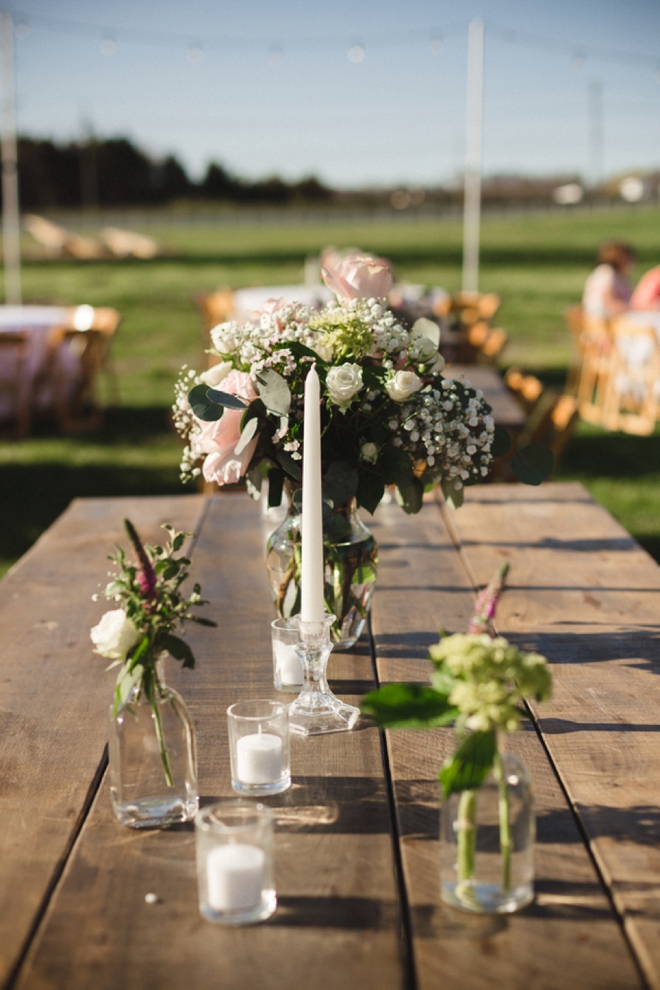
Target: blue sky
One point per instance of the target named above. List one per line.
(267, 86)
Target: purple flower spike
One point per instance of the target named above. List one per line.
(146, 576)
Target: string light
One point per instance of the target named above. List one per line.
(356, 54)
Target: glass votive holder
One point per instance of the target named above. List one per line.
(234, 840)
(287, 667)
(259, 749)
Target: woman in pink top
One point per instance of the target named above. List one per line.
(647, 293)
(607, 292)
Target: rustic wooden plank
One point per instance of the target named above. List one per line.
(582, 592)
(54, 697)
(506, 411)
(570, 935)
(337, 925)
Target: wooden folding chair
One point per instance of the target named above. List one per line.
(595, 369)
(14, 351)
(81, 349)
(632, 396)
(527, 389)
(493, 345)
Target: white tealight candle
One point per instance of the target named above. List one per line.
(287, 661)
(235, 876)
(312, 569)
(259, 758)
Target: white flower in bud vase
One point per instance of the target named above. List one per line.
(369, 453)
(217, 373)
(343, 383)
(403, 385)
(114, 635)
(358, 277)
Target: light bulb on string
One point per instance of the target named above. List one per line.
(435, 44)
(275, 58)
(195, 54)
(108, 45)
(356, 54)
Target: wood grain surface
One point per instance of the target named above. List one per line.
(54, 699)
(569, 937)
(588, 597)
(337, 924)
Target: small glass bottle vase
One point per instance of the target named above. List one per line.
(153, 763)
(487, 842)
(351, 560)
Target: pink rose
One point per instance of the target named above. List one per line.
(218, 440)
(358, 277)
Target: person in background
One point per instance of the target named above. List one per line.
(607, 292)
(647, 292)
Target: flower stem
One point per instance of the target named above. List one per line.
(164, 755)
(467, 835)
(505, 828)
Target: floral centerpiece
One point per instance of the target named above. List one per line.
(478, 684)
(150, 723)
(389, 417)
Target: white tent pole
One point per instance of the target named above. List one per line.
(472, 193)
(10, 214)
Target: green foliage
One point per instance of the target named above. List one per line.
(533, 464)
(468, 767)
(408, 706)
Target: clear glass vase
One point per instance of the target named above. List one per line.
(153, 762)
(351, 562)
(487, 841)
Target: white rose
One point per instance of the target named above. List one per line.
(114, 635)
(403, 385)
(343, 383)
(369, 453)
(217, 373)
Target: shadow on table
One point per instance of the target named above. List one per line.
(638, 646)
(335, 912)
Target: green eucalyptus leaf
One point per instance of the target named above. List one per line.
(300, 350)
(275, 486)
(202, 406)
(226, 400)
(370, 489)
(501, 442)
(469, 766)
(533, 464)
(178, 648)
(410, 494)
(177, 541)
(396, 466)
(454, 496)
(429, 329)
(246, 436)
(408, 706)
(340, 482)
(274, 391)
(291, 467)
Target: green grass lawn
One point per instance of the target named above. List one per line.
(537, 263)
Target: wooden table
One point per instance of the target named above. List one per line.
(357, 835)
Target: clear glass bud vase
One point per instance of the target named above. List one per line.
(153, 762)
(351, 561)
(487, 841)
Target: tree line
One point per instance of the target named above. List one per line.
(115, 172)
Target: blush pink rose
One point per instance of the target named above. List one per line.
(218, 440)
(358, 277)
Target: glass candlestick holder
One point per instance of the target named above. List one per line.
(316, 710)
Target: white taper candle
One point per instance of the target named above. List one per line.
(312, 607)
